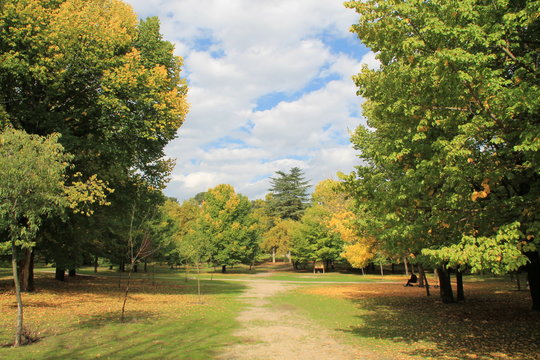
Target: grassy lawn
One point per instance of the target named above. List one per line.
(80, 319)
(281, 272)
(397, 322)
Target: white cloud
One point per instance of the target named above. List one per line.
(237, 51)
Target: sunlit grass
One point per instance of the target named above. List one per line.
(80, 319)
(397, 322)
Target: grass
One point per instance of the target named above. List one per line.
(280, 272)
(79, 319)
(397, 322)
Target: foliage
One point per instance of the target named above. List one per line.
(279, 237)
(450, 158)
(289, 196)
(226, 227)
(110, 85)
(313, 240)
(33, 184)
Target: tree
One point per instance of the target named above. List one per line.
(108, 83)
(289, 194)
(451, 156)
(278, 238)
(33, 186)
(313, 240)
(226, 225)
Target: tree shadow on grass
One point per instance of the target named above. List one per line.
(110, 285)
(490, 325)
(144, 335)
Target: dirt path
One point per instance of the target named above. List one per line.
(270, 333)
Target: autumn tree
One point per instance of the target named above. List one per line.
(108, 83)
(451, 155)
(227, 227)
(278, 238)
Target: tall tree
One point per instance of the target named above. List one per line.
(107, 82)
(289, 194)
(451, 156)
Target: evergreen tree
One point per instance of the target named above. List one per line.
(289, 194)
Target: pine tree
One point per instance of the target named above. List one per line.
(289, 194)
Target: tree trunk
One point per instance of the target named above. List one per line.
(145, 266)
(427, 284)
(135, 267)
(406, 266)
(393, 268)
(95, 264)
(533, 276)
(126, 292)
(447, 296)
(26, 271)
(223, 269)
(18, 332)
(273, 255)
(60, 274)
(422, 280)
(289, 257)
(72, 272)
(382, 271)
(363, 272)
(459, 282)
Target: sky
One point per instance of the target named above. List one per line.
(270, 88)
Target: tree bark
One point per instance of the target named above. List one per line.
(223, 269)
(273, 255)
(459, 282)
(26, 271)
(72, 272)
(422, 280)
(60, 274)
(18, 333)
(145, 266)
(95, 264)
(406, 266)
(382, 271)
(447, 296)
(533, 276)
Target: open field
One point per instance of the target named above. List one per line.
(167, 320)
(80, 319)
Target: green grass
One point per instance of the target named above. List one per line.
(187, 330)
(494, 322)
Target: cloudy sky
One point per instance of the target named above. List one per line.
(269, 88)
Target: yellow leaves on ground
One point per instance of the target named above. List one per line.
(483, 193)
(57, 306)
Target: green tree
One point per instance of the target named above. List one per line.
(107, 82)
(289, 194)
(451, 155)
(33, 187)
(226, 225)
(314, 240)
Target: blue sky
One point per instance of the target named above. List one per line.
(269, 88)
